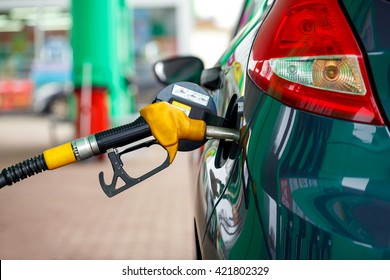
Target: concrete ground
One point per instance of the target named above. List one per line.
(64, 214)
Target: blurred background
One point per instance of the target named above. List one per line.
(72, 68)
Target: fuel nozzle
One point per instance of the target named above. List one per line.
(176, 121)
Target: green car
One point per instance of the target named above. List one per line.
(308, 84)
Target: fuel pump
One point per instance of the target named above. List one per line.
(182, 118)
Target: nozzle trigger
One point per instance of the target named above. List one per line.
(117, 165)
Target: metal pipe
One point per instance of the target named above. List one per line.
(223, 133)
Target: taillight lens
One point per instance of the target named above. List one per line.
(306, 56)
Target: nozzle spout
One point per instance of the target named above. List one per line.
(223, 133)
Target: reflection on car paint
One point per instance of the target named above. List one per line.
(284, 132)
(364, 132)
(359, 184)
(272, 226)
(338, 202)
(227, 219)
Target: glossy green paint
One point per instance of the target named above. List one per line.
(248, 244)
(371, 21)
(340, 189)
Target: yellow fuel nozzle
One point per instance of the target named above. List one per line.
(170, 124)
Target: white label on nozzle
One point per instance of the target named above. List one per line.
(190, 95)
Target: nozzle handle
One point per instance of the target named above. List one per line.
(123, 135)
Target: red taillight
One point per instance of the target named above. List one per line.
(306, 56)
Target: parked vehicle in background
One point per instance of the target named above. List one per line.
(308, 84)
(53, 99)
(52, 76)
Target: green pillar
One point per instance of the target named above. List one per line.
(101, 40)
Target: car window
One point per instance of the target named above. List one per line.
(251, 7)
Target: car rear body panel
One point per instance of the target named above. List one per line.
(326, 174)
(303, 186)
